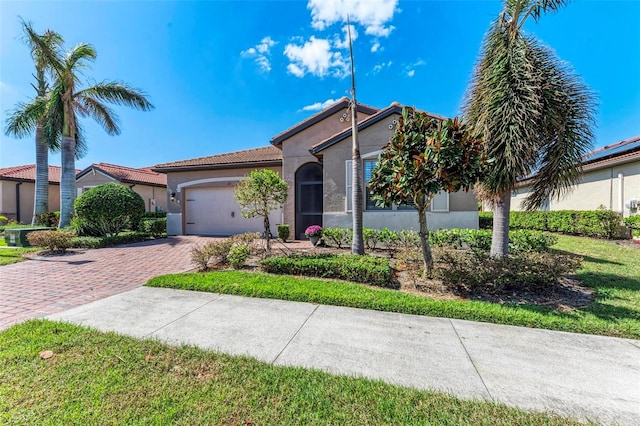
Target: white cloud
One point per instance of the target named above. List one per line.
(372, 14)
(411, 68)
(344, 43)
(261, 53)
(375, 47)
(315, 57)
(379, 67)
(319, 106)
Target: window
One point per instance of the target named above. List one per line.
(440, 202)
(348, 187)
(369, 165)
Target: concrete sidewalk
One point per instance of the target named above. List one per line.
(582, 376)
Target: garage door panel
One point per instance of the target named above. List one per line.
(215, 211)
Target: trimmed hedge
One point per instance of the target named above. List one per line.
(100, 242)
(589, 223)
(364, 269)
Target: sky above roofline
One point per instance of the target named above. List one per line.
(227, 76)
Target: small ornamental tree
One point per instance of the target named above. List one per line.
(258, 194)
(109, 208)
(423, 157)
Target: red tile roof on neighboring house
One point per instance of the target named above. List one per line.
(394, 108)
(27, 173)
(340, 104)
(269, 155)
(144, 175)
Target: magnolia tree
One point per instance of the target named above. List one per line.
(423, 157)
(258, 194)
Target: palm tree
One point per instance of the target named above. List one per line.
(535, 113)
(66, 102)
(29, 116)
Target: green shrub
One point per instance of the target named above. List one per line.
(599, 223)
(215, 251)
(529, 220)
(388, 238)
(632, 222)
(155, 227)
(563, 221)
(407, 238)
(109, 208)
(284, 232)
(48, 219)
(480, 240)
(154, 215)
(365, 269)
(371, 237)
(129, 237)
(87, 242)
(238, 255)
(3, 220)
(54, 241)
(485, 220)
(337, 236)
(522, 271)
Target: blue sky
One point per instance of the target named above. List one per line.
(226, 76)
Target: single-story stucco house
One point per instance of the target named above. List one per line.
(17, 191)
(314, 158)
(611, 179)
(152, 186)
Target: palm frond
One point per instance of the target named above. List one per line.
(45, 49)
(118, 93)
(54, 118)
(90, 107)
(82, 148)
(79, 55)
(537, 8)
(23, 119)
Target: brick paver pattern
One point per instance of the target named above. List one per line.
(47, 284)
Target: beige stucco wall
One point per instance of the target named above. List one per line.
(599, 187)
(8, 206)
(295, 153)
(147, 192)
(372, 140)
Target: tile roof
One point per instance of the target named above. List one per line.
(340, 104)
(248, 157)
(128, 174)
(27, 173)
(394, 108)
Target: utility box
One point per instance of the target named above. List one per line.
(17, 237)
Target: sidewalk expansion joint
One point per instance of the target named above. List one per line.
(475, 367)
(295, 334)
(180, 317)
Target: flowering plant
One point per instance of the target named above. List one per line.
(313, 231)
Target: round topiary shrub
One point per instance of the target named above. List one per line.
(109, 208)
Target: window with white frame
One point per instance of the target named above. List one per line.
(440, 202)
(369, 165)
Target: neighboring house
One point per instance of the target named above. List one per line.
(611, 179)
(314, 158)
(151, 186)
(17, 191)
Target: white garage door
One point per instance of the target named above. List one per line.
(214, 211)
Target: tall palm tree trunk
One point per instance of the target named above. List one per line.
(41, 196)
(357, 245)
(500, 237)
(67, 180)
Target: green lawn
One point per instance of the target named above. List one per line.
(103, 378)
(612, 271)
(8, 256)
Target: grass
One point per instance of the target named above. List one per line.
(612, 271)
(105, 378)
(11, 255)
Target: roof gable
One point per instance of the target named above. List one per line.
(394, 108)
(144, 176)
(316, 118)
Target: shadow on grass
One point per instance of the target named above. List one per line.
(586, 258)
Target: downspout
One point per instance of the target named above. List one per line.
(621, 192)
(18, 201)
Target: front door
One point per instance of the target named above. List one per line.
(308, 198)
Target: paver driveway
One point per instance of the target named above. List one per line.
(48, 284)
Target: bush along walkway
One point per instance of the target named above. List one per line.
(581, 376)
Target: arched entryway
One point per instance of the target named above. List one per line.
(308, 197)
